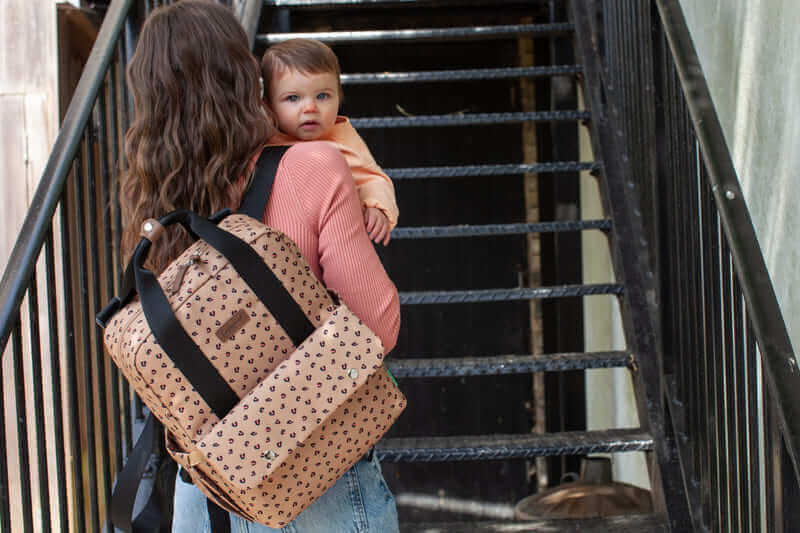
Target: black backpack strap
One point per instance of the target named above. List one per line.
(128, 480)
(254, 201)
(151, 518)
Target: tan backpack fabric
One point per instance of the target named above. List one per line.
(268, 387)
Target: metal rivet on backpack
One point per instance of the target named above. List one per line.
(269, 455)
(353, 373)
(148, 226)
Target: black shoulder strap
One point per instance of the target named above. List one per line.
(255, 199)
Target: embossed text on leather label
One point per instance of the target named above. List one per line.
(227, 330)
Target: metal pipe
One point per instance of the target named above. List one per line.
(23, 464)
(38, 402)
(460, 74)
(418, 35)
(99, 359)
(71, 378)
(86, 326)
(55, 377)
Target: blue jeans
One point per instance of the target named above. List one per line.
(359, 502)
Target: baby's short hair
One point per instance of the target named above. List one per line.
(308, 56)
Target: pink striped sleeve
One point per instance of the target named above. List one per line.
(330, 214)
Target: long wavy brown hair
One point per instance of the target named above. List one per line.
(198, 120)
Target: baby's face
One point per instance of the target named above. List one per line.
(306, 105)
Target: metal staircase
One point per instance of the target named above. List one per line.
(450, 33)
(473, 108)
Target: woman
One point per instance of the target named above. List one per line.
(199, 127)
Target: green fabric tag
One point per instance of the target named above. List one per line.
(392, 378)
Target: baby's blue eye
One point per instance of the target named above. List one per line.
(292, 98)
(323, 96)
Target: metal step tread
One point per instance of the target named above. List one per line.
(486, 230)
(460, 74)
(506, 364)
(421, 34)
(639, 523)
(500, 295)
(508, 169)
(468, 119)
(521, 446)
(321, 4)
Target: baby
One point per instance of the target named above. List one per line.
(303, 91)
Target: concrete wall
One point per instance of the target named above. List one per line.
(750, 53)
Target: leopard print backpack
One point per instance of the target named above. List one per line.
(268, 387)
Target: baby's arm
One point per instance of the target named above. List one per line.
(375, 189)
(377, 224)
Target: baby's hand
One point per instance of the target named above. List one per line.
(377, 225)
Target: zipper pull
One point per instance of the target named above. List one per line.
(175, 284)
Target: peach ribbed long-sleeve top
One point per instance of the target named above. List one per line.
(314, 202)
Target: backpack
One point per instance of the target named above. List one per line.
(268, 387)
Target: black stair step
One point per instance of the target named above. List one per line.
(327, 4)
(506, 364)
(645, 523)
(460, 75)
(511, 169)
(422, 34)
(498, 447)
(501, 295)
(493, 230)
(468, 119)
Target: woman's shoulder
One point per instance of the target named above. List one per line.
(316, 166)
(316, 175)
(314, 153)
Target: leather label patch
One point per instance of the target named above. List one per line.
(227, 330)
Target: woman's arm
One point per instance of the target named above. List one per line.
(347, 259)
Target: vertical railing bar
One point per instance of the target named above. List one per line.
(38, 401)
(98, 362)
(115, 165)
(707, 468)
(731, 444)
(109, 278)
(126, 111)
(742, 420)
(87, 326)
(722, 411)
(777, 471)
(713, 307)
(121, 122)
(731, 435)
(754, 427)
(769, 467)
(55, 377)
(683, 141)
(70, 356)
(680, 278)
(22, 427)
(5, 498)
(694, 311)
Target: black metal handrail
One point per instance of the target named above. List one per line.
(770, 329)
(734, 383)
(727, 384)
